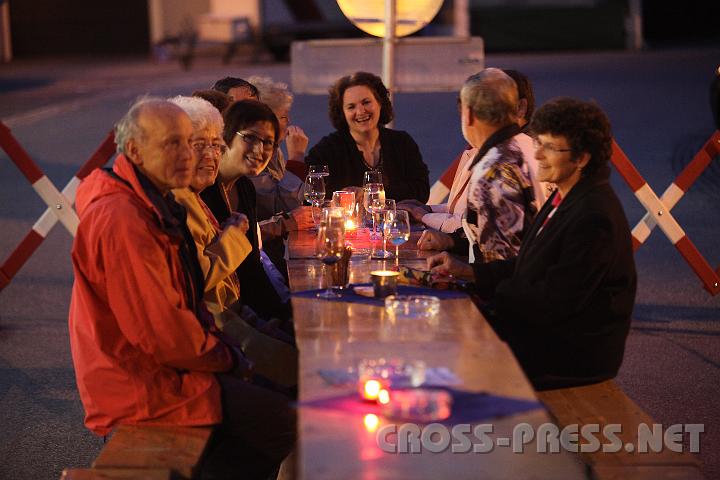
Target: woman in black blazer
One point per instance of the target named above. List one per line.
(359, 107)
(564, 304)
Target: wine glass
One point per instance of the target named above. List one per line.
(373, 196)
(314, 189)
(372, 176)
(329, 246)
(318, 171)
(396, 228)
(381, 208)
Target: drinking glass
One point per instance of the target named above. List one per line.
(314, 189)
(318, 171)
(345, 200)
(373, 196)
(396, 228)
(381, 208)
(317, 210)
(372, 176)
(330, 244)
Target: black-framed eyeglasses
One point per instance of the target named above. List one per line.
(252, 140)
(201, 145)
(549, 147)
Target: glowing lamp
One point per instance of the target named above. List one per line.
(383, 397)
(369, 15)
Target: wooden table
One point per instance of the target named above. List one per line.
(337, 444)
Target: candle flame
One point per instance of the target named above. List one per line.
(371, 422)
(372, 389)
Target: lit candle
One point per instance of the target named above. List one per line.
(384, 282)
(371, 388)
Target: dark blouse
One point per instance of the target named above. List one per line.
(405, 175)
(256, 290)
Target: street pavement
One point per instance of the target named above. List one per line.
(61, 109)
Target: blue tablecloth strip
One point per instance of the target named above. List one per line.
(467, 407)
(349, 295)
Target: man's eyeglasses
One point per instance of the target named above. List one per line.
(200, 146)
(253, 140)
(549, 147)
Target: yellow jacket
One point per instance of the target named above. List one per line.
(219, 253)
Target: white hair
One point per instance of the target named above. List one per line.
(129, 127)
(202, 113)
(273, 94)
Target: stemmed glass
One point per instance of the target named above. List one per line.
(381, 208)
(372, 176)
(318, 171)
(373, 196)
(330, 244)
(396, 228)
(314, 189)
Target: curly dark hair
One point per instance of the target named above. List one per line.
(583, 124)
(244, 113)
(373, 82)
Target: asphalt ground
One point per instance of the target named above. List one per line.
(61, 109)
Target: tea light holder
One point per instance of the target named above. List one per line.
(384, 282)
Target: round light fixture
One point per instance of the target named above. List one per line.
(369, 15)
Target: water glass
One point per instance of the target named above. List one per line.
(396, 228)
(373, 198)
(314, 189)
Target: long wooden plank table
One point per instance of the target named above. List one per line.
(338, 445)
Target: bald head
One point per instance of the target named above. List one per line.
(492, 96)
(155, 136)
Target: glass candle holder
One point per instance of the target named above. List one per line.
(384, 282)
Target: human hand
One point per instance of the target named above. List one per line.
(296, 142)
(243, 367)
(434, 240)
(239, 220)
(302, 218)
(416, 209)
(446, 264)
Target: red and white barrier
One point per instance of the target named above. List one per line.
(60, 204)
(659, 208)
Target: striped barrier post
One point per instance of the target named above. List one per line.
(679, 187)
(659, 211)
(59, 203)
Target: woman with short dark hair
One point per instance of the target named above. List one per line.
(251, 134)
(359, 108)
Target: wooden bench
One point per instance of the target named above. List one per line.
(116, 474)
(605, 403)
(148, 452)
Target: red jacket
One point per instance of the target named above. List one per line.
(140, 353)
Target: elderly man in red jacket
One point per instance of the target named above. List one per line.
(144, 347)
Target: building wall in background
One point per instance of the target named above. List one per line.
(72, 27)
